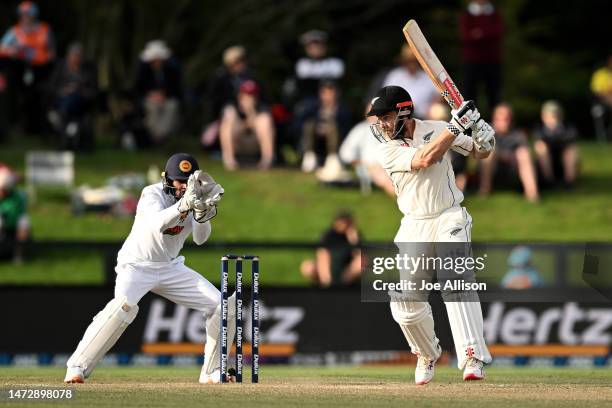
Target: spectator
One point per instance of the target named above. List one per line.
(511, 156)
(601, 86)
(555, 146)
(73, 87)
(326, 121)
(409, 75)
(338, 258)
(223, 88)
(29, 49)
(159, 88)
(14, 222)
(358, 149)
(522, 274)
(481, 31)
(315, 66)
(248, 116)
(310, 71)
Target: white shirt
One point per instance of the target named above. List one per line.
(359, 145)
(328, 68)
(419, 86)
(159, 230)
(422, 193)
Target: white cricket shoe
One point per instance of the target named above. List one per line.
(215, 376)
(474, 370)
(424, 371)
(74, 375)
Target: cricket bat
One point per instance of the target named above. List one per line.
(432, 65)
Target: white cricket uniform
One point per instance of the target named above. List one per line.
(149, 259)
(428, 198)
(431, 204)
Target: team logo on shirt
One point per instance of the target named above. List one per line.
(456, 231)
(427, 137)
(185, 166)
(174, 230)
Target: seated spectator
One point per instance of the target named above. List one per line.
(159, 88)
(555, 146)
(29, 49)
(338, 258)
(223, 88)
(315, 66)
(358, 150)
(14, 221)
(245, 123)
(510, 157)
(601, 87)
(409, 75)
(522, 274)
(326, 122)
(73, 88)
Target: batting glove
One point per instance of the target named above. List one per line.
(463, 118)
(484, 137)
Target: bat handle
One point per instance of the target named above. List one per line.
(470, 105)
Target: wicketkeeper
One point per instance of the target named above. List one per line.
(183, 203)
(414, 155)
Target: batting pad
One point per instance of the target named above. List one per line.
(416, 321)
(468, 331)
(103, 332)
(212, 349)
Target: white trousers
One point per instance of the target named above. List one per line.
(174, 281)
(465, 318)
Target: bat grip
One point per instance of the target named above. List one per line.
(468, 106)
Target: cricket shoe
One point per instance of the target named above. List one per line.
(424, 371)
(474, 370)
(74, 375)
(215, 376)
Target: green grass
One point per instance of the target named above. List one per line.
(286, 205)
(316, 387)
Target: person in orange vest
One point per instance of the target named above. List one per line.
(29, 40)
(29, 46)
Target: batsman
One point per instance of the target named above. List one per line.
(182, 204)
(414, 154)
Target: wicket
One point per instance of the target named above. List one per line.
(254, 316)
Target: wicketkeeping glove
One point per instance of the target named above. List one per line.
(209, 212)
(209, 193)
(190, 197)
(463, 118)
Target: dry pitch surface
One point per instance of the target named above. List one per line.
(338, 386)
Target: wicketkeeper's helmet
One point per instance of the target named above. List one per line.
(179, 167)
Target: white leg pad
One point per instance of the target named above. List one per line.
(212, 350)
(103, 332)
(468, 331)
(416, 321)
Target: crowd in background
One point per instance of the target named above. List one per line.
(45, 90)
